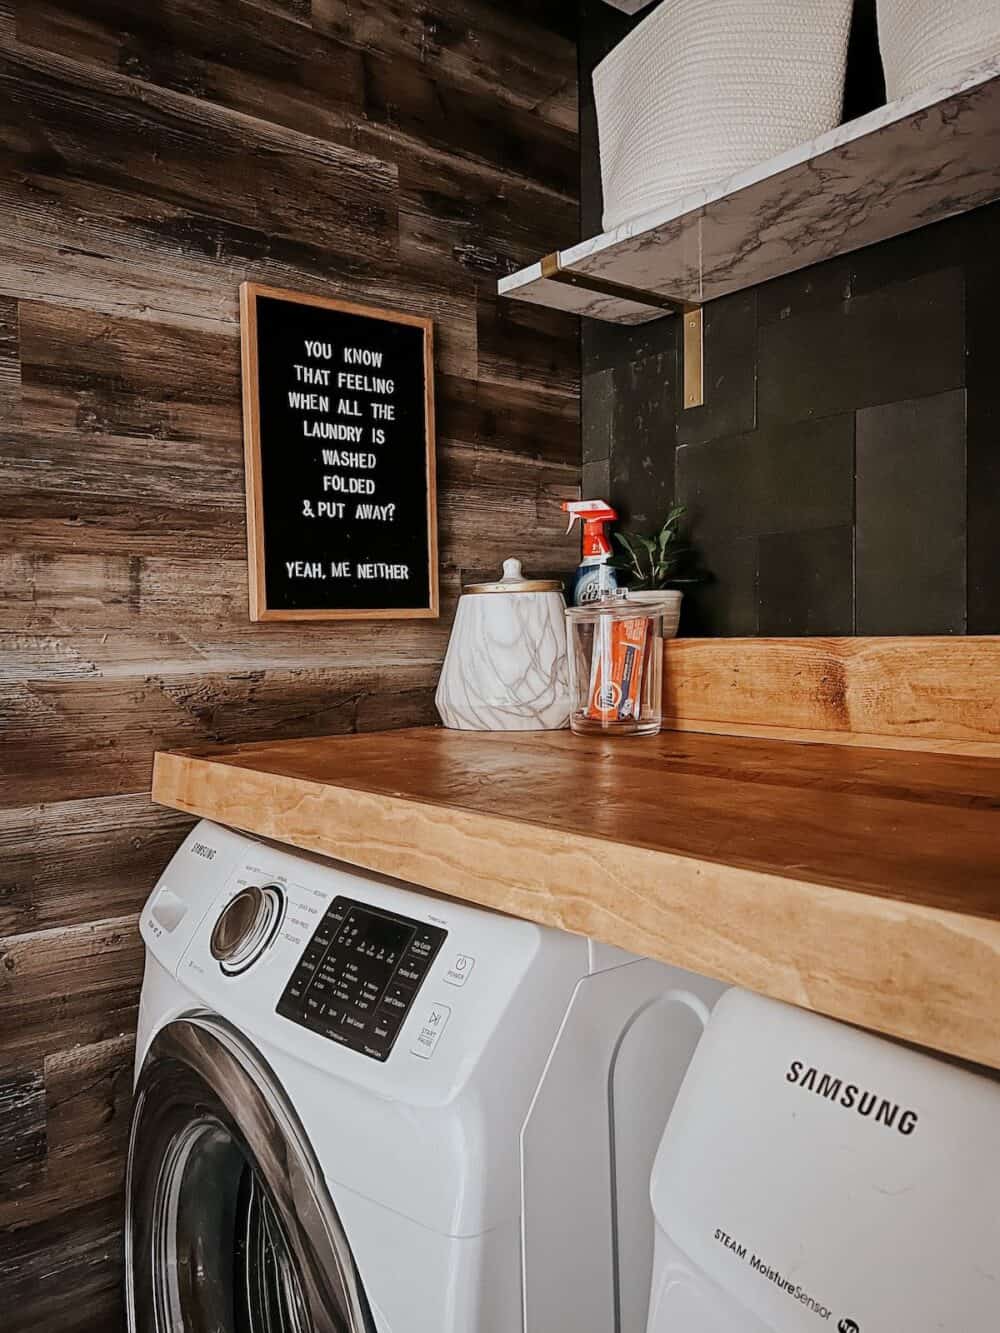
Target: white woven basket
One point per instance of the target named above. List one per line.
(703, 88)
(934, 41)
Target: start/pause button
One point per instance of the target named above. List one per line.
(430, 1031)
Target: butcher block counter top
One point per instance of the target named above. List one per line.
(862, 883)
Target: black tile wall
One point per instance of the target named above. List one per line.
(982, 444)
(911, 498)
(730, 372)
(726, 605)
(843, 475)
(776, 479)
(804, 582)
(891, 344)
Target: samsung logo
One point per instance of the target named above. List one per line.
(851, 1097)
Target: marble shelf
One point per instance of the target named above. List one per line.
(907, 164)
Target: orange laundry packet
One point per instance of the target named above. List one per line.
(616, 669)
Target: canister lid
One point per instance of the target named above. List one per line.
(514, 581)
(619, 605)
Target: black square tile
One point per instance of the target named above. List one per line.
(643, 433)
(621, 345)
(597, 415)
(782, 479)
(730, 373)
(804, 476)
(804, 582)
(725, 605)
(983, 449)
(595, 480)
(899, 342)
(818, 287)
(714, 481)
(911, 504)
(931, 249)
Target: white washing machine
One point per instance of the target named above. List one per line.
(362, 1108)
(813, 1176)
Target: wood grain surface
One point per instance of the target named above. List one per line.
(935, 693)
(864, 884)
(155, 157)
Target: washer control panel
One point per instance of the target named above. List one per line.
(359, 975)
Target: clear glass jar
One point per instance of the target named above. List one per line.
(616, 666)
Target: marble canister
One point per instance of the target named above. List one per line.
(506, 668)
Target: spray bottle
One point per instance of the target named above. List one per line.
(594, 575)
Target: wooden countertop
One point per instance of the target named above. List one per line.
(864, 884)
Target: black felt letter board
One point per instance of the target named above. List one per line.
(339, 428)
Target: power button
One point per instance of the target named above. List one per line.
(458, 973)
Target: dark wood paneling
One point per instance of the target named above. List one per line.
(64, 987)
(218, 183)
(96, 736)
(486, 51)
(82, 616)
(539, 425)
(76, 861)
(525, 344)
(10, 367)
(22, 1126)
(61, 1259)
(89, 374)
(63, 1275)
(377, 78)
(153, 157)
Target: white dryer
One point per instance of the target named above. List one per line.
(813, 1176)
(362, 1108)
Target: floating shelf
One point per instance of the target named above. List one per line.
(913, 162)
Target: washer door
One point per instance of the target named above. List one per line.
(229, 1225)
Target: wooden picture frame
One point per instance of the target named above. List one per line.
(261, 607)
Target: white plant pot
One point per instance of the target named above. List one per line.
(704, 88)
(934, 41)
(671, 601)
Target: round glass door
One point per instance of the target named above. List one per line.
(267, 1291)
(228, 1229)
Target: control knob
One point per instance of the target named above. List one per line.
(246, 926)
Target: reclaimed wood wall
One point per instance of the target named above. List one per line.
(154, 156)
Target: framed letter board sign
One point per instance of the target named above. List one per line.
(338, 411)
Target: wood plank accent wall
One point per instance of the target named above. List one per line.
(155, 156)
(929, 693)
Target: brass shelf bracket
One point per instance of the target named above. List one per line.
(694, 358)
(692, 349)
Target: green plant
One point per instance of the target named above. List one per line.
(653, 562)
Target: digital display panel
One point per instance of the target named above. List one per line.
(359, 975)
